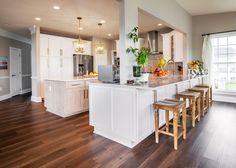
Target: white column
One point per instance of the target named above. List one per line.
(35, 64)
(128, 20)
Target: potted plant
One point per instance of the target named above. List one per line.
(141, 55)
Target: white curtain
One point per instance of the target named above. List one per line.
(207, 57)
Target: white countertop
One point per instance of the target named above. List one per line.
(73, 79)
(152, 84)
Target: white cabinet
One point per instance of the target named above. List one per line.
(44, 45)
(178, 45)
(56, 57)
(66, 98)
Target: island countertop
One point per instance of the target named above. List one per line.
(153, 83)
(72, 79)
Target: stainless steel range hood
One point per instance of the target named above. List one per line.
(152, 38)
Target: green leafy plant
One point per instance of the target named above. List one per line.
(142, 54)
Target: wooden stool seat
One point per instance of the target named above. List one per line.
(210, 90)
(169, 104)
(204, 94)
(194, 98)
(174, 106)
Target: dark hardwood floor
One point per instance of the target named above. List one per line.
(31, 137)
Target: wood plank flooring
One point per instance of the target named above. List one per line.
(30, 137)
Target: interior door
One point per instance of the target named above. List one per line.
(15, 70)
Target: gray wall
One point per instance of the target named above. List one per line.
(5, 43)
(209, 24)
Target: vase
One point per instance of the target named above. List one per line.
(137, 71)
(145, 77)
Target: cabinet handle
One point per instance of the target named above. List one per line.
(75, 84)
(87, 94)
(48, 51)
(61, 63)
(84, 93)
(61, 52)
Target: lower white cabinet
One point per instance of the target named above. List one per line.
(121, 114)
(66, 98)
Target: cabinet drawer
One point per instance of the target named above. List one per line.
(76, 84)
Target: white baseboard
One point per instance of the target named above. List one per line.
(25, 91)
(36, 99)
(4, 97)
(224, 98)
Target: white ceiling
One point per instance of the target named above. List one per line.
(202, 7)
(18, 15)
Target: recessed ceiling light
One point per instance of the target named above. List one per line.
(56, 7)
(159, 24)
(109, 35)
(103, 21)
(37, 18)
(81, 28)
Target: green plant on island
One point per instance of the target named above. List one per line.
(142, 54)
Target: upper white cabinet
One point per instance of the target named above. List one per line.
(44, 45)
(173, 42)
(56, 57)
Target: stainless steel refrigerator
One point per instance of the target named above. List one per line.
(82, 64)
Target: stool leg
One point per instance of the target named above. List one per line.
(193, 107)
(167, 121)
(211, 95)
(157, 125)
(184, 122)
(207, 100)
(175, 130)
(202, 104)
(199, 108)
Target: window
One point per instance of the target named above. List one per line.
(224, 62)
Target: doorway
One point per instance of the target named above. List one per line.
(15, 71)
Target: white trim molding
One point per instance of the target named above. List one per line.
(4, 97)
(25, 91)
(14, 36)
(36, 99)
(4, 77)
(224, 96)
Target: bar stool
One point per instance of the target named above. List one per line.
(204, 94)
(194, 98)
(210, 91)
(174, 106)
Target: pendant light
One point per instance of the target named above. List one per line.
(100, 46)
(79, 44)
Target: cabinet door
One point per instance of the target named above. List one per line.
(166, 46)
(54, 67)
(124, 114)
(100, 107)
(55, 46)
(44, 45)
(178, 46)
(67, 48)
(75, 99)
(67, 67)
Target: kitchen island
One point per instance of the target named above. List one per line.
(124, 113)
(66, 97)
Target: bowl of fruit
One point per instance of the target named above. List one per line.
(160, 70)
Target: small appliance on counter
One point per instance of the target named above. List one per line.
(109, 73)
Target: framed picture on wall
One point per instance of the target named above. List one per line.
(3, 62)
